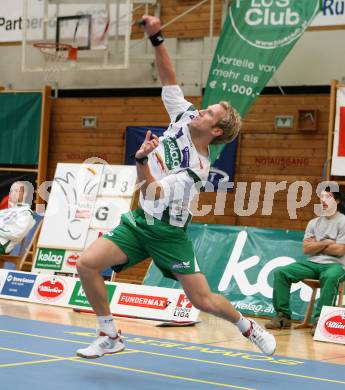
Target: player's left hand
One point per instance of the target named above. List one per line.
(148, 145)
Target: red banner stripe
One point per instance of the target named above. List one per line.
(341, 145)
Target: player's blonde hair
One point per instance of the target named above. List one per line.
(230, 124)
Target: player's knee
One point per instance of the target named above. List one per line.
(83, 264)
(329, 280)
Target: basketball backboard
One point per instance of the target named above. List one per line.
(99, 30)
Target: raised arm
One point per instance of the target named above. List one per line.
(152, 27)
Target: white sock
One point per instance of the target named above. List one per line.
(243, 324)
(107, 325)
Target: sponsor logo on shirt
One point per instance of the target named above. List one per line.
(179, 134)
(172, 153)
(185, 157)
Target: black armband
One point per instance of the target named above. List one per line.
(157, 39)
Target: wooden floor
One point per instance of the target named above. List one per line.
(216, 332)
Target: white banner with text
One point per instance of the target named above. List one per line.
(127, 300)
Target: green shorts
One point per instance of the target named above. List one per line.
(167, 245)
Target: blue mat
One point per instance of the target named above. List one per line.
(37, 355)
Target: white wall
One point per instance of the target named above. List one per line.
(316, 59)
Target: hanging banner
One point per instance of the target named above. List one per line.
(20, 125)
(338, 158)
(239, 263)
(256, 37)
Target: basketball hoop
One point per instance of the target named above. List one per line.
(55, 55)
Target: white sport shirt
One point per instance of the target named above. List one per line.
(175, 163)
(15, 224)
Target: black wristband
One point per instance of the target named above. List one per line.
(139, 160)
(157, 39)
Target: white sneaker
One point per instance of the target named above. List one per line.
(261, 338)
(103, 345)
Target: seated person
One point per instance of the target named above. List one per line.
(17, 220)
(324, 243)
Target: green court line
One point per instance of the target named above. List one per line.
(284, 373)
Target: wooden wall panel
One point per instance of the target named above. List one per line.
(267, 154)
(70, 142)
(195, 24)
